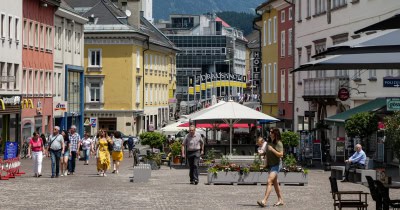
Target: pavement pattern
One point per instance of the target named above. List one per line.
(167, 189)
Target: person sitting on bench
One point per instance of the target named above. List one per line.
(357, 160)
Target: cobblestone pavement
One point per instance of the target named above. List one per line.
(167, 189)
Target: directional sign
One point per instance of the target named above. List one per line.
(391, 82)
(393, 104)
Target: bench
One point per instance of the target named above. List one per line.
(338, 172)
(359, 175)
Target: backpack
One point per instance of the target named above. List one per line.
(117, 146)
(130, 141)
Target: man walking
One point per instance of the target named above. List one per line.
(195, 148)
(75, 140)
(56, 147)
(357, 160)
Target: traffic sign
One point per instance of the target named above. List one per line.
(391, 82)
(93, 122)
(87, 122)
(393, 104)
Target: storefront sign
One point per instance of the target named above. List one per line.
(391, 82)
(343, 94)
(60, 107)
(393, 104)
(11, 150)
(340, 146)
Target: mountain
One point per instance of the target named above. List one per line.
(163, 8)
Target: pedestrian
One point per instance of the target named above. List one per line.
(87, 147)
(65, 154)
(274, 164)
(56, 147)
(195, 148)
(131, 144)
(37, 147)
(356, 161)
(117, 153)
(43, 137)
(103, 161)
(75, 140)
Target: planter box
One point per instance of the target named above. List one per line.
(234, 177)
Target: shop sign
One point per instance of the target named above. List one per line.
(343, 94)
(11, 150)
(11, 100)
(391, 82)
(393, 104)
(60, 107)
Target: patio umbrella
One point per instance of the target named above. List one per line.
(354, 61)
(215, 125)
(380, 42)
(232, 113)
(390, 23)
(172, 128)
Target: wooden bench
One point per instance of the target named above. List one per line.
(338, 172)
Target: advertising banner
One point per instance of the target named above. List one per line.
(11, 150)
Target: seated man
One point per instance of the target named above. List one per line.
(357, 160)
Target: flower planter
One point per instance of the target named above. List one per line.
(177, 160)
(234, 177)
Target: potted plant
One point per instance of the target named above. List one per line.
(154, 140)
(176, 151)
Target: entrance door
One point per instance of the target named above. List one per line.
(108, 124)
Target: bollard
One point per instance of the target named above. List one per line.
(141, 173)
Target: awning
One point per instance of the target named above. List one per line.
(370, 106)
(380, 42)
(390, 23)
(354, 61)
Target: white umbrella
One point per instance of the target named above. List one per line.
(231, 113)
(173, 128)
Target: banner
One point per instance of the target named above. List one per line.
(197, 83)
(203, 82)
(191, 85)
(209, 82)
(11, 150)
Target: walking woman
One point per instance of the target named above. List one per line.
(37, 147)
(103, 161)
(86, 147)
(118, 153)
(274, 155)
(65, 156)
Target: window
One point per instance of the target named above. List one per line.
(95, 92)
(283, 16)
(283, 85)
(78, 44)
(95, 57)
(41, 91)
(60, 83)
(16, 76)
(31, 34)
(275, 29)
(42, 37)
(146, 89)
(283, 44)
(37, 35)
(138, 90)
(299, 56)
(9, 74)
(265, 33)
(16, 29)
(56, 34)
(59, 38)
(48, 85)
(25, 33)
(10, 29)
(265, 78)
(338, 3)
(269, 31)
(151, 93)
(269, 78)
(3, 26)
(49, 32)
(320, 6)
(290, 41)
(308, 8)
(372, 73)
(146, 62)
(290, 86)
(55, 84)
(69, 40)
(275, 77)
(30, 83)
(24, 82)
(66, 40)
(299, 10)
(290, 13)
(151, 64)
(36, 83)
(155, 93)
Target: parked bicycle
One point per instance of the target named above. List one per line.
(24, 150)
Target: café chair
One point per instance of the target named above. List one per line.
(374, 192)
(386, 201)
(339, 200)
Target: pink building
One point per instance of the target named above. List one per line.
(37, 65)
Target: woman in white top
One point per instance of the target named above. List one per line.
(87, 147)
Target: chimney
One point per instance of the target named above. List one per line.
(134, 7)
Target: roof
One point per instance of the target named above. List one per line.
(67, 7)
(156, 36)
(224, 24)
(253, 40)
(370, 106)
(82, 3)
(390, 23)
(264, 4)
(106, 13)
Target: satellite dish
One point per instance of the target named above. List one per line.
(128, 13)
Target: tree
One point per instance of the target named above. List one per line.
(153, 139)
(392, 132)
(290, 139)
(362, 125)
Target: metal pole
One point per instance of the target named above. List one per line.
(230, 136)
(229, 83)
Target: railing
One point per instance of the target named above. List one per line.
(326, 86)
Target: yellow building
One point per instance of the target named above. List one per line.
(129, 71)
(268, 25)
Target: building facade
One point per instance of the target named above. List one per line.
(11, 70)
(68, 68)
(38, 77)
(209, 45)
(129, 68)
(319, 26)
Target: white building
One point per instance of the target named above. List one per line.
(68, 65)
(315, 31)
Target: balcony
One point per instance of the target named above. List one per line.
(326, 87)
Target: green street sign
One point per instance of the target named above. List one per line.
(393, 104)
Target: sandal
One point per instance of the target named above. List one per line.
(261, 204)
(279, 204)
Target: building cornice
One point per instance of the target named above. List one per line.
(70, 15)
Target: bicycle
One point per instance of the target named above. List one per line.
(24, 150)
